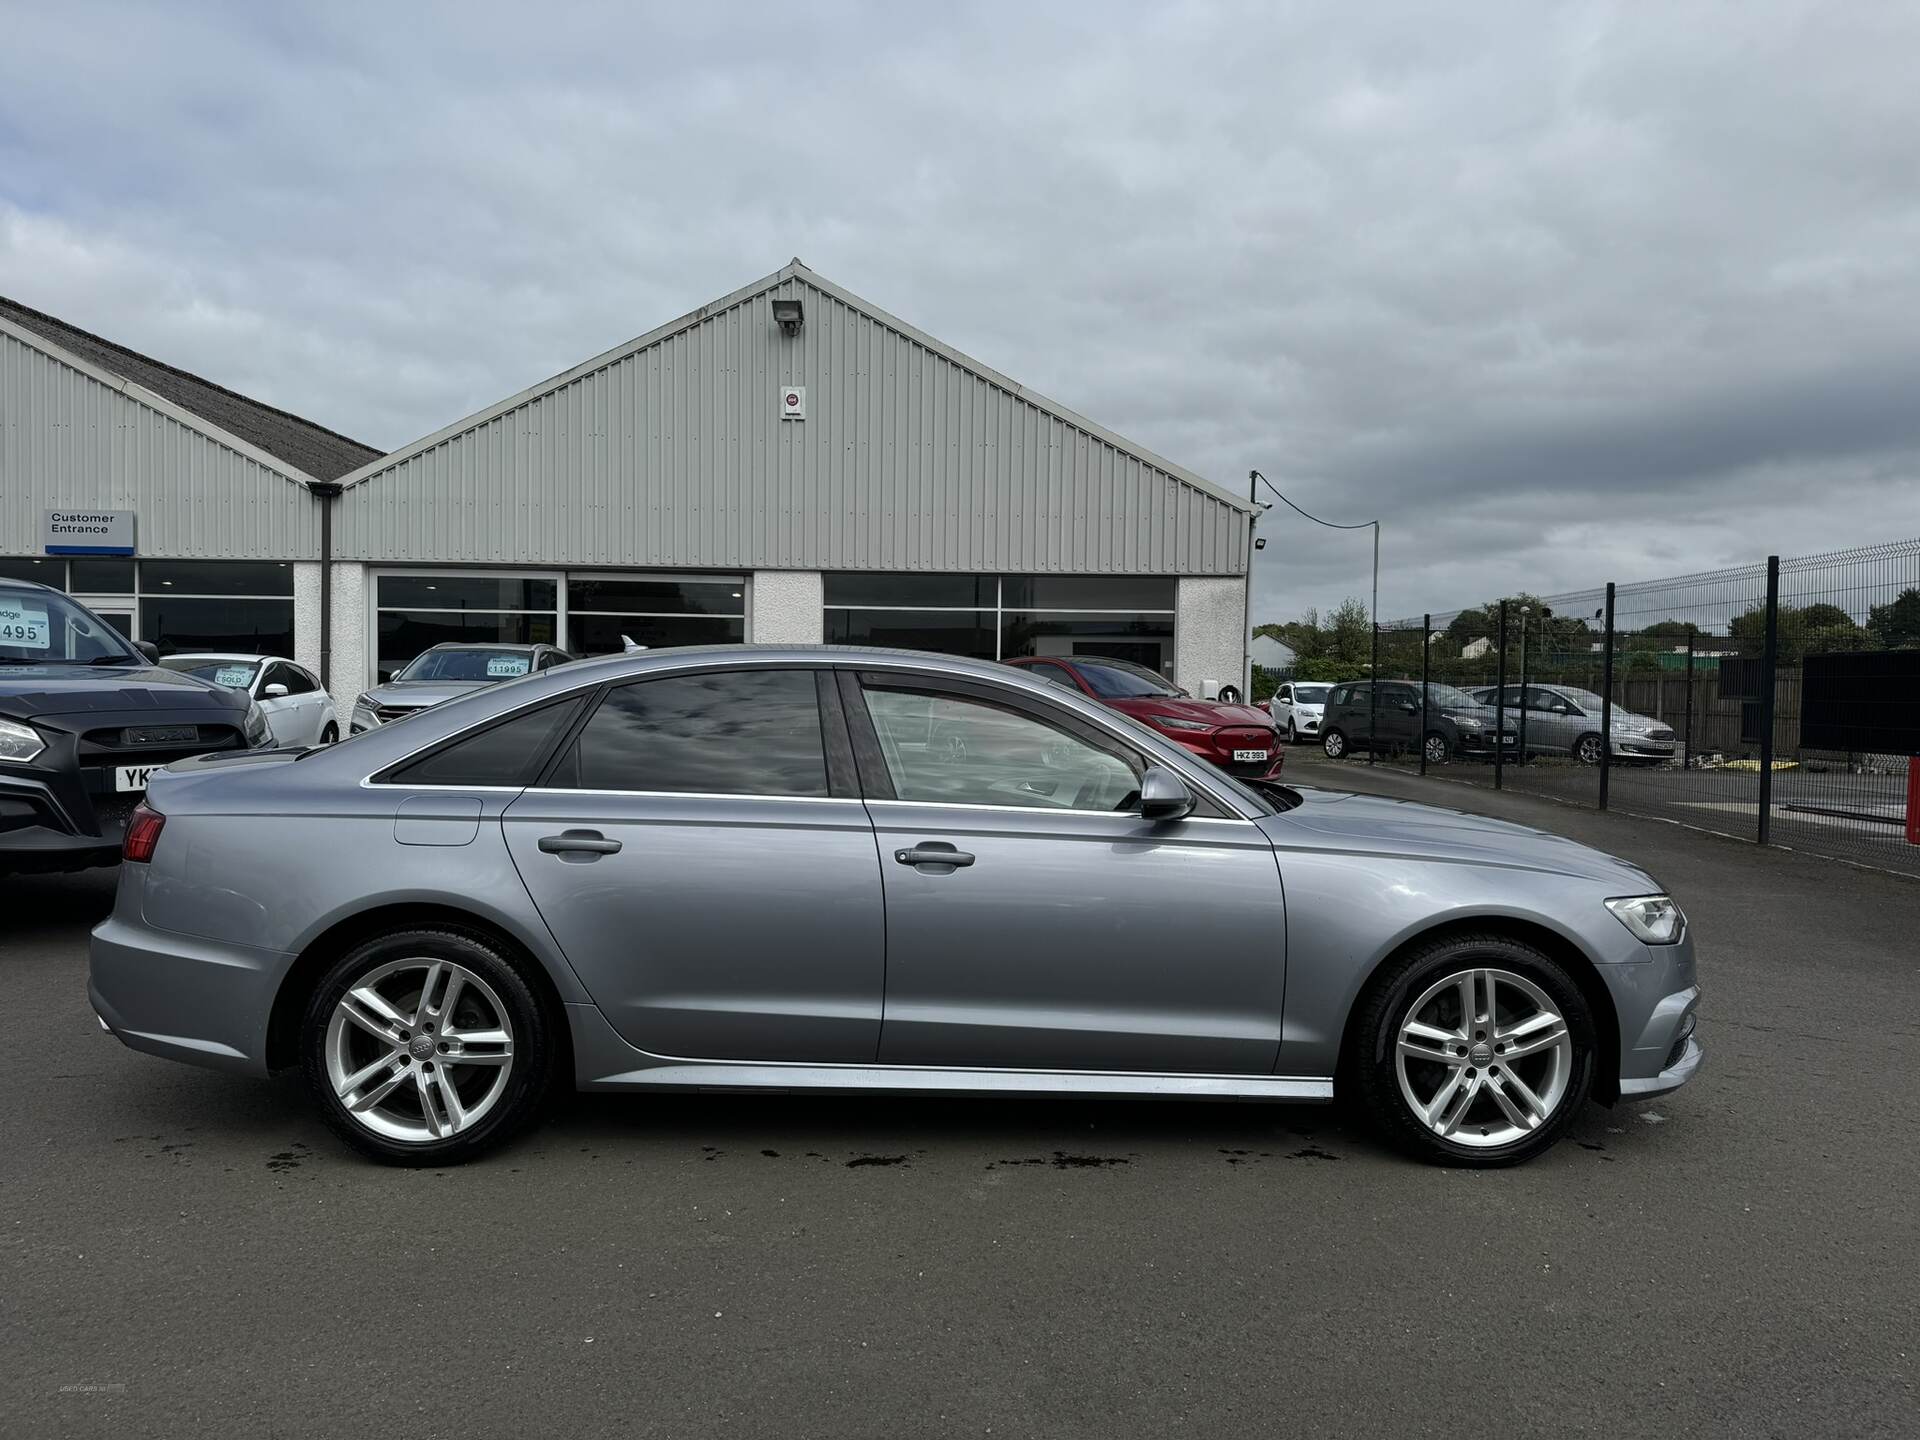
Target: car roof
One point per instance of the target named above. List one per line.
(10, 582)
(226, 655)
(485, 645)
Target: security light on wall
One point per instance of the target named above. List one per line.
(787, 315)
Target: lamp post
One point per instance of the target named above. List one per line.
(1254, 477)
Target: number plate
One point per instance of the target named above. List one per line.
(132, 777)
(1248, 756)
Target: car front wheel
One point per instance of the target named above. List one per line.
(1479, 1051)
(426, 1047)
(1437, 749)
(1587, 749)
(1334, 743)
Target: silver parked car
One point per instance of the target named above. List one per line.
(1565, 720)
(298, 709)
(441, 672)
(755, 869)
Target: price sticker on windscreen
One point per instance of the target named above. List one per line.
(233, 677)
(22, 624)
(505, 667)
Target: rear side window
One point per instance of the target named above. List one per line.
(510, 753)
(1338, 696)
(722, 733)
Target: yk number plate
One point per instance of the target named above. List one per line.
(1249, 756)
(132, 777)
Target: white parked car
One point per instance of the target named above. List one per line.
(298, 709)
(1298, 707)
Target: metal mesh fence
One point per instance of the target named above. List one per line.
(1778, 702)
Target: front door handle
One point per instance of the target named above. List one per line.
(578, 842)
(934, 852)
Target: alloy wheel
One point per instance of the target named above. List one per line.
(1436, 749)
(419, 1050)
(1587, 750)
(1334, 743)
(1484, 1058)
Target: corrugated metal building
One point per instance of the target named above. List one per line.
(788, 463)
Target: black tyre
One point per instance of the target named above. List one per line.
(1293, 737)
(1473, 1050)
(1587, 749)
(427, 1047)
(1334, 743)
(329, 735)
(1438, 751)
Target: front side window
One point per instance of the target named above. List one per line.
(734, 732)
(954, 750)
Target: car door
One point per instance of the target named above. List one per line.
(1065, 932)
(1553, 721)
(307, 713)
(1399, 717)
(1281, 708)
(700, 852)
(282, 709)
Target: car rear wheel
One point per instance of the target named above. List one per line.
(1587, 749)
(1334, 743)
(1437, 748)
(426, 1047)
(330, 734)
(1479, 1051)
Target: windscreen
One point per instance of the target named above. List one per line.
(43, 627)
(229, 674)
(476, 664)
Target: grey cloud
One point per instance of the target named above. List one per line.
(1562, 293)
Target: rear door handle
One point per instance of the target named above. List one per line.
(578, 842)
(934, 852)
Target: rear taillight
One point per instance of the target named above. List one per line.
(143, 833)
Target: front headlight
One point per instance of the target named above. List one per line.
(1631, 727)
(19, 743)
(1467, 722)
(259, 733)
(1654, 919)
(1168, 722)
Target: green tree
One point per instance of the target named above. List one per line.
(1802, 630)
(1896, 624)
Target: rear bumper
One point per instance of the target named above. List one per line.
(182, 997)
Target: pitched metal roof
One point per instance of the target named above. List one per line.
(311, 449)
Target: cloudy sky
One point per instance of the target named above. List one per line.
(1561, 292)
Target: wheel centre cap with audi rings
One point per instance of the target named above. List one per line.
(421, 1047)
(1480, 1054)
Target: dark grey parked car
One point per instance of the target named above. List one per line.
(1452, 723)
(755, 869)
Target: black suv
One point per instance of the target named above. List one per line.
(85, 716)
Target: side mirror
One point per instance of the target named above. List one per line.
(148, 649)
(1164, 795)
(273, 691)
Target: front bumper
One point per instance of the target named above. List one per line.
(1211, 749)
(1637, 747)
(1657, 1002)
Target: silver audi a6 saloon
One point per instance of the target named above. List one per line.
(856, 870)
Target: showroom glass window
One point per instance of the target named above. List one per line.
(1002, 617)
(179, 605)
(415, 612)
(712, 732)
(654, 611)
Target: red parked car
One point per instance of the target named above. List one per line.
(1239, 739)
